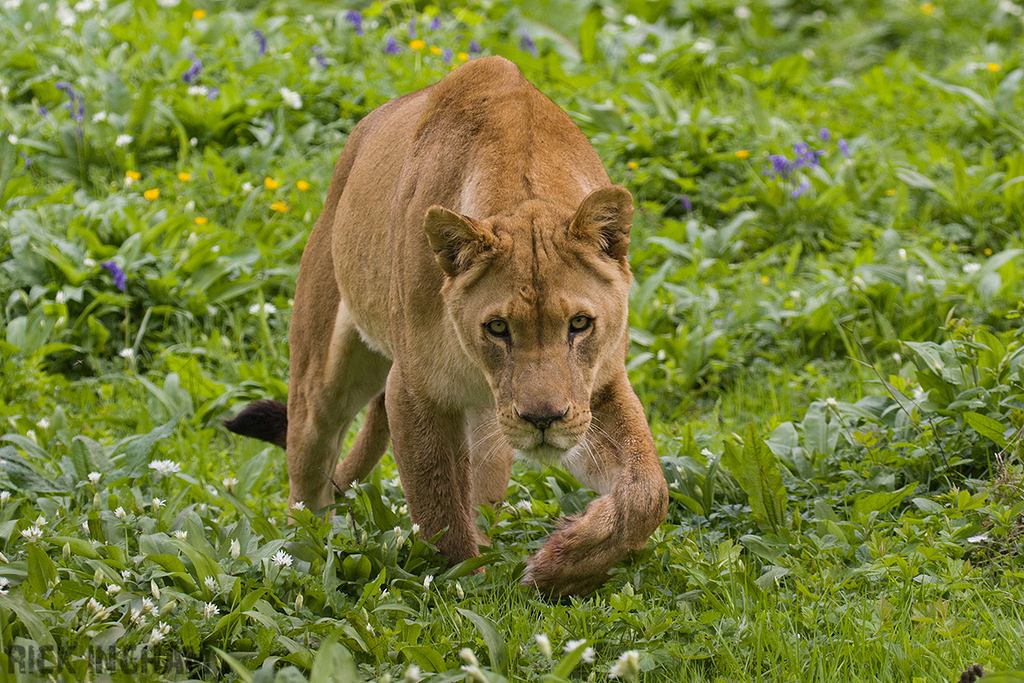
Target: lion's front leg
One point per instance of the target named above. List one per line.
(430, 451)
(618, 460)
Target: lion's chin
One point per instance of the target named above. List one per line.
(544, 453)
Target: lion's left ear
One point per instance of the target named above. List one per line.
(605, 216)
(455, 239)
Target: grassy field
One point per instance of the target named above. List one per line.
(826, 332)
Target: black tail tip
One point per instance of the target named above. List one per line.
(265, 420)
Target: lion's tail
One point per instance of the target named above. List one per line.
(265, 420)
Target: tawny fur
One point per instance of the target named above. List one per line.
(472, 201)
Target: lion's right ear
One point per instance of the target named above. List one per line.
(455, 239)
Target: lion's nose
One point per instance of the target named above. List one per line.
(542, 419)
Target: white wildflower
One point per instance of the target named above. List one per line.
(588, 655)
(627, 667)
(33, 533)
(971, 268)
(157, 503)
(742, 12)
(706, 452)
(160, 631)
(127, 353)
(1011, 8)
(65, 15)
(525, 505)
(282, 559)
(646, 58)
(857, 282)
(247, 187)
(230, 482)
(978, 538)
(180, 534)
(269, 309)
(5, 496)
(41, 520)
(543, 644)
(475, 673)
(12, 138)
(4, 585)
(43, 423)
(12, 4)
(193, 141)
(94, 478)
(211, 584)
(84, 6)
(919, 278)
(32, 435)
(832, 404)
(147, 605)
(415, 528)
(123, 140)
(125, 574)
(113, 589)
(199, 90)
(137, 616)
(412, 674)
(703, 45)
(210, 610)
(168, 3)
(903, 254)
(427, 580)
(99, 117)
(298, 506)
(236, 549)
(89, 263)
(165, 467)
(96, 608)
(291, 98)
(573, 644)
(468, 656)
(120, 513)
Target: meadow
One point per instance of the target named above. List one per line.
(826, 333)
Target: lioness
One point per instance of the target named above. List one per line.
(468, 279)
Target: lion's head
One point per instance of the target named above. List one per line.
(538, 296)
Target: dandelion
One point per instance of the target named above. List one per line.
(270, 183)
(742, 154)
(391, 46)
(210, 610)
(356, 19)
(157, 503)
(632, 165)
(543, 644)
(627, 667)
(194, 69)
(165, 467)
(123, 140)
(291, 98)
(993, 67)
(120, 277)
(151, 194)
(462, 57)
(302, 186)
(262, 41)
(280, 207)
(928, 9)
(526, 43)
(988, 252)
(844, 148)
(764, 279)
(434, 49)
(32, 534)
(235, 549)
(282, 559)
(891, 192)
(184, 177)
(319, 55)
(971, 268)
(202, 220)
(199, 14)
(417, 44)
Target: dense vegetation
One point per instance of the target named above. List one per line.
(826, 332)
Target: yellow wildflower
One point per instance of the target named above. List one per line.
(202, 220)
(891, 192)
(151, 194)
(417, 44)
(199, 14)
(184, 177)
(928, 8)
(132, 175)
(632, 165)
(270, 183)
(463, 57)
(435, 49)
(280, 206)
(302, 185)
(742, 154)
(993, 67)
(764, 279)
(988, 252)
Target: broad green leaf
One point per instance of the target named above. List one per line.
(492, 638)
(987, 427)
(880, 502)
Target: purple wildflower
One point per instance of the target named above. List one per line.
(320, 59)
(120, 278)
(412, 28)
(43, 112)
(392, 46)
(824, 134)
(28, 161)
(193, 71)
(448, 54)
(76, 102)
(474, 47)
(780, 165)
(844, 148)
(213, 94)
(435, 24)
(262, 40)
(526, 43)
(356, 19)
(804, 186)
(685, 201)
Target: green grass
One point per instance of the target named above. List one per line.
(829, 353)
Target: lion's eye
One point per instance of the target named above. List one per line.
(580, 323)
(498, 328)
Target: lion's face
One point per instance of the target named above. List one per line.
(540, 303)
